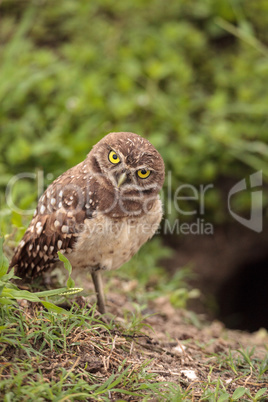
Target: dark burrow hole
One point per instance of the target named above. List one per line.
(243, 297)
(230, 268)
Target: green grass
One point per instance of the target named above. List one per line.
(48, 353)
(43, 357)
(38, 342)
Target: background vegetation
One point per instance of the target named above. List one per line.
(190, 76)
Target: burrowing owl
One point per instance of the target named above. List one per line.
(98, 213)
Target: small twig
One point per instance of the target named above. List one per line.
(131, 348)
(158, 349)
(73, 366)
(248, 378)
(111, 352)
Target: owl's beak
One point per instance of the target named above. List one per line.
(122, 179)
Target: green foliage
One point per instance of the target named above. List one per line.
(240, 394)
(188, 76)
(135, 320)
(70, 282)
(9, 292)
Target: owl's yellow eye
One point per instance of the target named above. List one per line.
(143, 173)
(113, 157)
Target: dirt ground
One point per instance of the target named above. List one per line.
(183, 348)
(183, 352)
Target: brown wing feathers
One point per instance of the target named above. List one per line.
(55, 226)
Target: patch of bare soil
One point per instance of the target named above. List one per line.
(187, 354)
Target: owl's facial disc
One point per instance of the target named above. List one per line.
(130, 173)
(128, 178)
(115, 159)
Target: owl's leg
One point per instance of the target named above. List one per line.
(97, 280)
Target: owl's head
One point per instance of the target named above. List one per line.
(131, 171)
